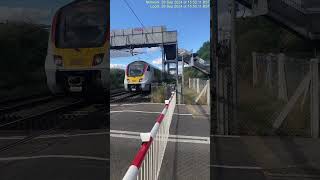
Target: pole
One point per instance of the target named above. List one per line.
(182, 79)
(234, 63)
(163, 64)
(213, 66)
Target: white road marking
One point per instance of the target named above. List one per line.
(16, 158)
(115, 112)
(146, 112)
(172, 138)
(237, 167)
(120, 134)
(134, 104)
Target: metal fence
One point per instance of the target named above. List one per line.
(147, 162)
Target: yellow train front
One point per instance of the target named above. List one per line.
(140, 75)
(77, 50)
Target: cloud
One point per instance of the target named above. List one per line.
(20, 14)
(117, 66)
(153, 49)
(157, 61)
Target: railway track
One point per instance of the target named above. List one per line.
(13, 100)
(129, 97)
(64, 118)
(15, 105)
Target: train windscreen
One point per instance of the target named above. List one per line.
(136, 69)
(82, 25)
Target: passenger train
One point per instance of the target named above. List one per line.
(77, 54)
(140, 75)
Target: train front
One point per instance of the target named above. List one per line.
(138, 77)
(77, 49)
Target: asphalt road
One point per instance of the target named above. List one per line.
(184, 159)
(77, 155)
(57, 155)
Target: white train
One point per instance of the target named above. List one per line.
(140, 75)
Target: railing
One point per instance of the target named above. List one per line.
(147, 162)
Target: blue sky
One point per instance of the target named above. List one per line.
(193, 26)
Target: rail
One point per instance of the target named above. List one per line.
(148, 160)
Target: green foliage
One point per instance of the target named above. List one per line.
(116, 78)
(23, 51)
(204, 51)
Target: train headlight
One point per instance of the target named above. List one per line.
(140, 80)
(97, 59)
(58, 60)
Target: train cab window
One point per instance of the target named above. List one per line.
(82, 25)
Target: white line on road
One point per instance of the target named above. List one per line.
(53, 156)
(120, 134)
(172, 138)
(134, 104)
(169, 140)
(146, 112)
(236, 167)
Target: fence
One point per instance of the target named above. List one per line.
(202, 87)
(281, 98)
(148, 160)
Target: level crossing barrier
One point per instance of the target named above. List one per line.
(147, 162)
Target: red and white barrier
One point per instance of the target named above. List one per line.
(147, 162)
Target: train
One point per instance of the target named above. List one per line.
(139, 75)
(77, 56)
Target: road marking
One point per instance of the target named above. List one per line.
(53, 156)
(121, 134)
(134, 104)
(172, 138)
(146, 112)
(115, 112)
(237, 167)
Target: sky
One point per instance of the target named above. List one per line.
(193, 26)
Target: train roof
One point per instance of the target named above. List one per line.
(144, 62)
